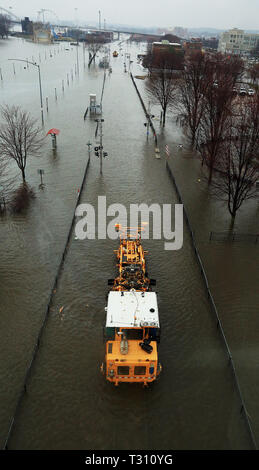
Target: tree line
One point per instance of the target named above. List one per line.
(222, 126)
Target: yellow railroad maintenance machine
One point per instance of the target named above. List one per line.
(132, 330)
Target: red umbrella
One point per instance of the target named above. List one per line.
(53, 131)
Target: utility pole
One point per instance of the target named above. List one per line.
(148, 121)
(41, 172)
(101, 145)
(149, 117)
(77, 37)
(99, 19)
(84, 53)
(77, 56)
(89, 148)
(36, 65)
(99, 150)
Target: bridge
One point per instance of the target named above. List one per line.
(13, 17)
(16, 19)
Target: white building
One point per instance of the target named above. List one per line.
(236, 41)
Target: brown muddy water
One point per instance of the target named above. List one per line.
(68, 404)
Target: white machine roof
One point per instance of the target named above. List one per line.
(132, 309)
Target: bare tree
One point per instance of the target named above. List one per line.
(255, 51)
(162, 83)
(20, 137)
(254, 73)
(223, 73)
(239, 162)
(205, 76)
(192, 91)
(95, 43)
(4, 25)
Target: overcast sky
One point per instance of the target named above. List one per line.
(221, 14)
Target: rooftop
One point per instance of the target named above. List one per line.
(167, 43)
(132, 309)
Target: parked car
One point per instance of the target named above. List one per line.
(251, 92)
(242, 91)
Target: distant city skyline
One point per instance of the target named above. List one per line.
(147, 13)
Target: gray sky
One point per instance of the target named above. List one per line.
(221, 14)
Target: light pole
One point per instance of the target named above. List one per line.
(77, 37)
(77, 62)
(149, 117)
(89, 148)
(36, 65)
(2, 199)
(99, 150)
(84, 53)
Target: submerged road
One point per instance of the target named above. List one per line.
(68, 404)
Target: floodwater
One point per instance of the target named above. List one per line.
(68, 404)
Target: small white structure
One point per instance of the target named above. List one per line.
(94, 107)
(132, 309)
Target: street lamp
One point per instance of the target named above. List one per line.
(36, 65)
(99, 150)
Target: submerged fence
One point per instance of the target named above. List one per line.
(209, 294)
(47, 311)
(144, 108)
(214, 308)
(234, 237)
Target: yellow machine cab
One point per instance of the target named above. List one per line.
(132, 329)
